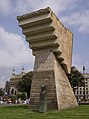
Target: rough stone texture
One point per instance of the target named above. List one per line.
(48, 71)
(65, 95)
(51, 43)
(43, 77)
(43, 30)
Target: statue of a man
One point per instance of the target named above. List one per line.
(43, 99)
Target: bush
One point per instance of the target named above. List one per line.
(21, 95)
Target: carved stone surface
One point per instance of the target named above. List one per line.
(51, 43)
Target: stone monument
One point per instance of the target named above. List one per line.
(51, 44)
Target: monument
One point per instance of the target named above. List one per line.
(51, 44)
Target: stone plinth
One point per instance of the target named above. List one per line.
(51, 43)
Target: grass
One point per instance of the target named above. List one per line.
(23, 112)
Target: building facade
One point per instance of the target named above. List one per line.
(82, 93)
(14, 81)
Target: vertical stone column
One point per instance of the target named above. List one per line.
(51, 43)
(44, 75)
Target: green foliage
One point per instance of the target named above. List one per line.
(23, 112)
(21, 95)
(24, 85)
(76, 78)
(1, 92)
(12, 97)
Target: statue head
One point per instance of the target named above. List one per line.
(43, 87)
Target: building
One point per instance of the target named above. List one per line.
(82, 93)
(14, 81)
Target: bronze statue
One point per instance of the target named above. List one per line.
(43, 99)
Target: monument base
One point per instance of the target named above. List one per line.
(43, 78)
(59, 91)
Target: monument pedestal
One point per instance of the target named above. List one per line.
(49, 72)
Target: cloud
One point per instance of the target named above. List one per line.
(5, 74)
(57, 6)
(13, 51)
(80, 19)
(79, 62)
(24, 6)
(77, 17)
(1, 84)
(5, 7)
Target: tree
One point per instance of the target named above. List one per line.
(7, 87)
(21, 95)
(24, 85)
(76, 79)
(1, 92)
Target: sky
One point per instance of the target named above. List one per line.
(14, 50)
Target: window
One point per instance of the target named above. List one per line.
(85, 79)
(12, 91)
(80, 92)
(86, 85)
(86, 82)
(83, 92)
(86, 92)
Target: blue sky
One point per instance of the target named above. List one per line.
(14, 50)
